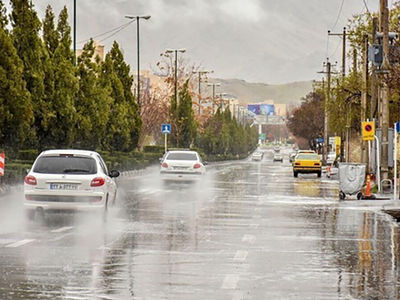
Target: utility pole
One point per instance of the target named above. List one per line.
(374, 94)
(327, 101)
(384, 14)
(364, 93)
(348, 113)
(137, 18)
(343, 35)
(200, 74)
(74, 32)
(169, 51)
(213, 92)
(354, 60)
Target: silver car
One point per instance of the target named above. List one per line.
(182, 166)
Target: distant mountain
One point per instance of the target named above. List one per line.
(289, 93)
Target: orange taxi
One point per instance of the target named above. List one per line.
(307, 163)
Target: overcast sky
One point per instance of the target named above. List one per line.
(270, 41)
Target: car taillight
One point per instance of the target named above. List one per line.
(164, 165)
(98, 181)
(30, 180)
(316, 164)
(196, 166)
(297, 164)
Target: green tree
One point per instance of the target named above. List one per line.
(51, 36)
(3, 16)
(92, 102)
(185, 123)
(25, 34)
(117, 132)
(63, 116)
(16, 113)
(128, 107)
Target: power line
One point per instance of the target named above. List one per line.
(338, 16)
(118, 29)
(366, 6)
(336, 49)
(111, 35)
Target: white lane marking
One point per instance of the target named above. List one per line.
(241, 255)
(230, 282)
(249, 238)
(62, 229)
(19, 243)
(6, 241)
(61, 237)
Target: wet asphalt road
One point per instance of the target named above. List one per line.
(250, 230)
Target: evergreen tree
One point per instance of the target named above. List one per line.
(50, 34)
(127, 106)
(16, 113)
(92, 102)
(65, 86)
(3, 16)
(30, 49)
(118, 132)
(185, 119)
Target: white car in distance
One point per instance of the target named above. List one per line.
(278, 157)
(257, 156)
(69, 180)
(182, 166)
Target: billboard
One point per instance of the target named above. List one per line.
(261, 109)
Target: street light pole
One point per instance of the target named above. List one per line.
(201, 73)
(213, 95)
(138, 61)
(74, 32)
(176, 69)
(137, 18)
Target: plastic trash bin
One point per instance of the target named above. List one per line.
(351, 179)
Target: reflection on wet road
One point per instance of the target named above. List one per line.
(250, 230)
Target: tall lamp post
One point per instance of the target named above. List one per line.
(200, 74)
(213, 93)
(137, 18)
(176, 69)
(74, 32)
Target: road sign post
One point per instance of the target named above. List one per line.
(396, 131)
(166, 129)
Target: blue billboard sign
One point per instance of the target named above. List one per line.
(261, 109)
(254, 108)
(267, 109)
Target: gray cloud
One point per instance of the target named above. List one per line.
(270, 41)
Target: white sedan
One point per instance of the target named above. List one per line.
(257, 156)
(69, 180)
(182, 166)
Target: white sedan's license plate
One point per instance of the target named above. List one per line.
(181, 168)
(63, 186)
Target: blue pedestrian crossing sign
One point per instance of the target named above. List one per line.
(166, 128)
(398, 127)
